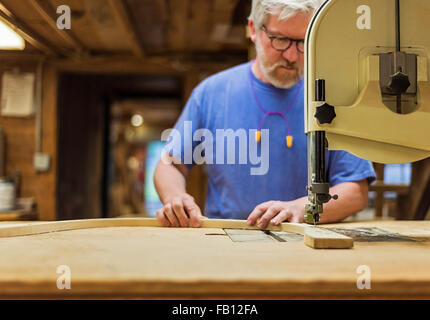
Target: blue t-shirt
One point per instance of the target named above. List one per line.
(242, 172)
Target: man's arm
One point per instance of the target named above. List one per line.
(178, 205)
(353, 197)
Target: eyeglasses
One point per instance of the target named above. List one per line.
(284, 43)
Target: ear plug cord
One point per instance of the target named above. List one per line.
(289, 138)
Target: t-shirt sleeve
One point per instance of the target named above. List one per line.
(345, 167)
(179, 142)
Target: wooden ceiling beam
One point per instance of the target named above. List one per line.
(177, 27)
(49, 15)
(123, 17)
(5, 10)
(150, 19)
(24, 31)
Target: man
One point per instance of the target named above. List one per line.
(262, 96)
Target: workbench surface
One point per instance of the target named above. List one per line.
(151, 262)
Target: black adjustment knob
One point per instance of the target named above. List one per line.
(325, 113)
(399, 83)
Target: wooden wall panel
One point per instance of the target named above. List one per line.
(21, 140)
(48, 181)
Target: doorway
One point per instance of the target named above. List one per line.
(90, 108)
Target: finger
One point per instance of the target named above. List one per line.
(178, 209)
(284, 215)
(171, 215)
(258, 212)
(193, 211)
(162, 218)
(297, 218)
(188, 196)
(268, 215)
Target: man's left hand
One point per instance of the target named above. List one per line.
(276, 212)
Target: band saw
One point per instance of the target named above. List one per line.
(366, 86)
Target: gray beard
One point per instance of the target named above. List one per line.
(269, 71)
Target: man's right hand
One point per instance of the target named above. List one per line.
(178, 211)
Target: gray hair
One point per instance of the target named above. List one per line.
(285, 8)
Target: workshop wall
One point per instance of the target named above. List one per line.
(21, 140)
(21, 132)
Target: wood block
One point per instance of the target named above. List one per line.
(320, 238)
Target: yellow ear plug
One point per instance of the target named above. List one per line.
(258, 136)
(289, 141)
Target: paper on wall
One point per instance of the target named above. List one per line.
(17, 94)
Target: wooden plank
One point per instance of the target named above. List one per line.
(100, 30)
(130, 64)
(318, 238)
(57, 226)
(122, 16)
(198, 23)
(150, 20)
(177, 28)
(314, 237)
(21, 55)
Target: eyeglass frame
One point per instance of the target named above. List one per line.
(272, 37)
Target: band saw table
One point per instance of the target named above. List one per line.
(212, 263)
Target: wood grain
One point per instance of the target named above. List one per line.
(57, 226)
(319, 238)
(123, 18)
(314, 237)
(202, 263)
